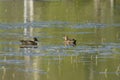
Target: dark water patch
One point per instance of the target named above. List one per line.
(7, 54)
(55, 59)
(115, 25)
(105, 56)
(106, 53)
(111, 43)
(116, 73)
(90, 51)
(34, 25)
(15, 61)
(106, 48)
(61, 54)
(90, 25)
(78, 32)
(86, 49)
(95, 25)
(18, 62)
(50, 24)
(33, 54)
(42, 37)
(5, 26)
(31, 70)
(21, 54)
(50, 48)
(58, 24)
(84, 61)
(57, 51)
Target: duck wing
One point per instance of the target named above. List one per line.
(27, 42)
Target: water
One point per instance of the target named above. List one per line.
(95, 57)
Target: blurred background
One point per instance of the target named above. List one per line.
(95, 24)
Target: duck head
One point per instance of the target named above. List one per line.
(35, 39)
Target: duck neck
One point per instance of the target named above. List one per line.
(66, 38)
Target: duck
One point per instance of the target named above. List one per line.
(69, 41)
(29, 42)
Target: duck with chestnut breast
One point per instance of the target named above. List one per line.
(69, 41)
(29, 42)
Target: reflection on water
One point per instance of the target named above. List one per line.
(95, 57)
(69, 11)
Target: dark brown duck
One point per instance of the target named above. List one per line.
(68, 41)
(29, 42)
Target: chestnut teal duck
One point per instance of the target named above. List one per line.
(68, 41)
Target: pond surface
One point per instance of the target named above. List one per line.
(96, 29)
